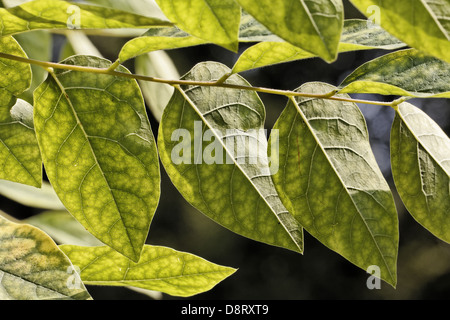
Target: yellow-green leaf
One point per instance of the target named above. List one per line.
(99, 152)
(314, 26)
(216, 21)
(20, 158)
(32, 267)
(51, 14)
(160, 269)
(422, 24)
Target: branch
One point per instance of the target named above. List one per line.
(220, 83)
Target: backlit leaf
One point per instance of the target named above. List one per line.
(314, 26)
(32, 267)
(161, 269)
(329, 173)
(19, 152)
(357, 35)
(422, 24)
(420, 159)
(99, 152)
(216, 21)
(51, 14)
(405, 73)
(229, 178)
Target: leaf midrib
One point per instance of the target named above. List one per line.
(240, 168)
(418, 140)
(80, 125)
(339, 177)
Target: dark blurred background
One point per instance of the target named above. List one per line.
(267, 272)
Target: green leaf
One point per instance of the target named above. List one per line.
(168, 38)
(357, 35)
(43, 198)
(19, 152)
(32, 267)
(216, 21)
(421, 168)
(158, 39)
(99, 152)
(50, 14)
(226, 179)
(160, 269)
(329, 173)
(422, 24)
(63, 228)
(251, 30)
(405, 73)
(314, 26)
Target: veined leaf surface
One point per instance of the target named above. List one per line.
(20, 158)
(51, 14)
(99, 152)
(32, 267)
(160, 269)
(314, 26)
(329, 173)
(420, 158)
(357, 35)
(405, 73)
(422, 24)
(216, 21)
(229, 180)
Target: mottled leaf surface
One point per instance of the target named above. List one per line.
(32, 267)
(221, 174)
(405, 73)
(99, 152)
(420, 159)
(50, 14)
(20, 158)
(422, 24)
(216, 21)
(329, 173)
(314, 26)
(160, 269)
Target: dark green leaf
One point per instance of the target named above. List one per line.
(329, 173)
(226, 179)
(420, 158)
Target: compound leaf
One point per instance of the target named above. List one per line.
(32, 267)
(160, 269)
(405, 72)
(229, 179)
(420, 161)
(99, 152)
(314, 26)
(329, 173)
(421, 24)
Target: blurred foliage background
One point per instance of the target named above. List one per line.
(268, 272)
